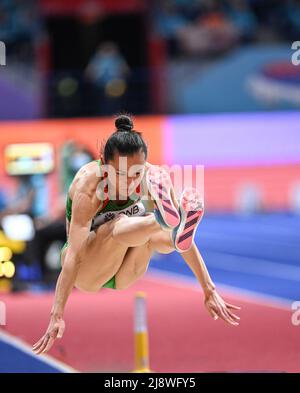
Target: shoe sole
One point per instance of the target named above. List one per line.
(159, 185)
(191, 212)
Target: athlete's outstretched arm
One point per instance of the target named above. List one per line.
(214, 303)
(84, 207)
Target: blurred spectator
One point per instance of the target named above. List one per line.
(243, 19)
(287, 18)
(73, 157)
(108, 73)
(212, 33)
(209, 27)
(50, 229)
(169, 22)
(30, 197)
(191, 9)
(20, 24)
(6, 23)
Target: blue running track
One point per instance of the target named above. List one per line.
(258, 253)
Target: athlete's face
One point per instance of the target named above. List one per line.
(128, 173)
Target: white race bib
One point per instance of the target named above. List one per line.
(135, 210)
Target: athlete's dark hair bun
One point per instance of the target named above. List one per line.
(124, 123)
(124, 140)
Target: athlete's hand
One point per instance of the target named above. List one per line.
(218, 308)
(55, 330)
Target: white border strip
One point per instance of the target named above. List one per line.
(185, 282)
(24, 347)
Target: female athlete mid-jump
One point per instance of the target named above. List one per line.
(112, 232)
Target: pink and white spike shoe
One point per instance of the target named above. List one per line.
(159, 185)
(191, 212)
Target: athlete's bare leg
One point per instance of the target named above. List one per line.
(121, 248)
(100, 258)
(135, 231)
(137, 259)
(104, 254)
(134, 265)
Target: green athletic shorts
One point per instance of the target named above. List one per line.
(109, 284)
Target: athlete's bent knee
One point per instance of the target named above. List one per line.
(134, 274)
